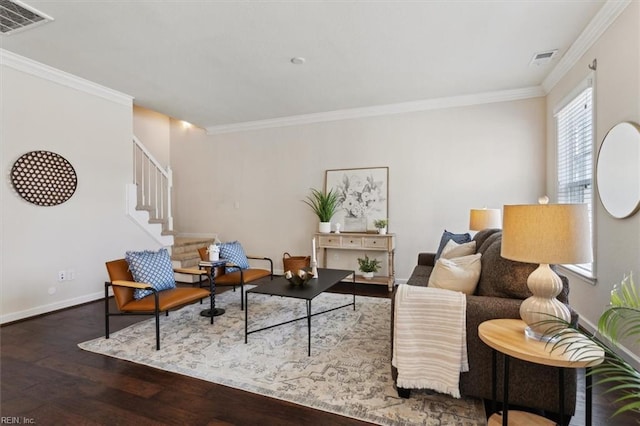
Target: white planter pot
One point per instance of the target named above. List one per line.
(367, 275)
(324, 227)
(382, 231)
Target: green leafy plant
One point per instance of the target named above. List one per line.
(368, 265)
(380, 223)
(323, 205)
(619, 321)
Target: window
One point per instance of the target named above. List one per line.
(574, 124)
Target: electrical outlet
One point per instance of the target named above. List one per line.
(62, 275)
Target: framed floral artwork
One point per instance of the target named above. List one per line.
(363, 196)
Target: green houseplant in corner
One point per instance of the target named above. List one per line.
(324, 206)
(368, 266)
(620, 320)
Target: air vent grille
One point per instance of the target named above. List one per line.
(542, 58)
(16, 16)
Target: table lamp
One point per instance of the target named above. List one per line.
(545, 234)
(480, 219)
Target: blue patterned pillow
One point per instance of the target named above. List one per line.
(446, 236)
(151, 267)
(234, 253)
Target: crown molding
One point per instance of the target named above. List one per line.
(598, 25)
(46, 72)
(374, 111)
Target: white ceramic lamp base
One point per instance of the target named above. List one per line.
(540, 310)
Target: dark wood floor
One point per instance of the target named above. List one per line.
(47, 380)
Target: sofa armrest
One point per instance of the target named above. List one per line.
(426, 259)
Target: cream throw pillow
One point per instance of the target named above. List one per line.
(453, 249)
(457, 274)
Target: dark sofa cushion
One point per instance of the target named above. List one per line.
(502, 277)
(481, 237)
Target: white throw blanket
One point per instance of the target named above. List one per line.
(430, 339)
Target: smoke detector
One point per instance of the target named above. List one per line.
(543, 58)
(16, 16)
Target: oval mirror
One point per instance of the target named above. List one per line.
(618, 170)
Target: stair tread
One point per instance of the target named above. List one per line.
(181, 241)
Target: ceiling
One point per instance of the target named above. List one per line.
(220, 63)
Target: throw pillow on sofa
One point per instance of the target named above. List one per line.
(505, 278)
(234, 253)
(151, 267)
(446, 236)
(457, 274)
(453, 249)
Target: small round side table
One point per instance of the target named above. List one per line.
(507, 336)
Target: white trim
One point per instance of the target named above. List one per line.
(587, 82)
(141, 217)
(45, 309)
(46, 72)
(603, 19)
(621, 350)
(399, 108)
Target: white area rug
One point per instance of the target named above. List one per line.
(348, 372)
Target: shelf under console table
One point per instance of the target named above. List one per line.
(365, 242)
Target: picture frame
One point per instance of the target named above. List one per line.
(363, 197)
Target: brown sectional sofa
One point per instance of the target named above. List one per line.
(501, 288)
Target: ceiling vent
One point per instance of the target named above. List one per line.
(16, 16)
(542, 58)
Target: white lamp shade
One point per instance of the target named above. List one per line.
(480, 219)
(547, 233)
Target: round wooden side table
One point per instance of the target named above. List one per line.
(507, 336)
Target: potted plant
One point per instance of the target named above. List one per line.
(619, 321)
(381, 225)
(368, 266)
(324, 206)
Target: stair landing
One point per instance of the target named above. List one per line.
(184, 254)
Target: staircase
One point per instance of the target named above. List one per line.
(149, 195)
(149, 205)
(185, 255)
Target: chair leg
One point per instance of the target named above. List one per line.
(106, 310)
(157, 314)
(242, 296)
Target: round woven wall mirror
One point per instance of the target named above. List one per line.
(44, 178)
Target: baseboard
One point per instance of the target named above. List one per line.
(47, 309)
(626, 354)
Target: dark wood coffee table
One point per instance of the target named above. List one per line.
(327, 278)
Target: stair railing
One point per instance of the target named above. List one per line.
(154, 184)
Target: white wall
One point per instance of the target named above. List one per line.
(94, 134)
(617, 98)
(153, 130)
(249, 185)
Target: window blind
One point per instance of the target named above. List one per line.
(574, 123)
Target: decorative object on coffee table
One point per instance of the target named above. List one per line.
(300, 277)
(324, 206)
(485, 218)
(362, 196)
(545, 234)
